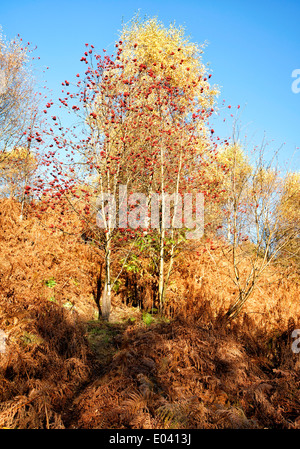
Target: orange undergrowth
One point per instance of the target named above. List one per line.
(188, 371)
(198, 372)
(46, 279)
(181, 375)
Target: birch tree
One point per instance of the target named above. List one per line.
(143, 115)
(257, 235)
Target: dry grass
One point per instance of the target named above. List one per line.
(189, 376)
(46, 359)
(63, 370)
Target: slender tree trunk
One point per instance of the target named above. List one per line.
(161, 269)
(97, 292)
(236, 308)
(106, 296)
(23, 199)
(172, 252)
(162, 235)
(169, 272)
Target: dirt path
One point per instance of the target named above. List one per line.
(104, 339)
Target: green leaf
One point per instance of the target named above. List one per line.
(147, 318)
(50, 283)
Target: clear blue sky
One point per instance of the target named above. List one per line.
(253, 48)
